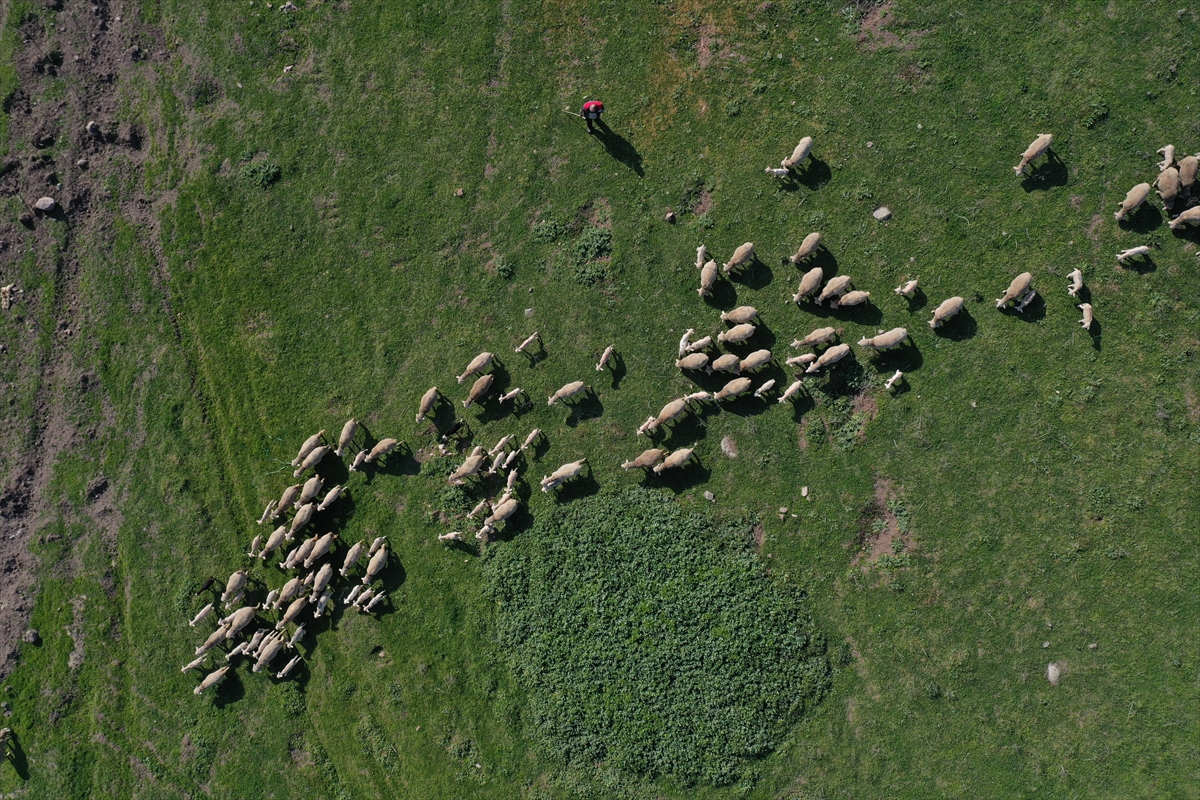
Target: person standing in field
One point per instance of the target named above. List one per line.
(591, 112)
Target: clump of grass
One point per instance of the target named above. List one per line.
(589, 256)
(261, 173)
(549, 230)
(376, 745)
(652, 640)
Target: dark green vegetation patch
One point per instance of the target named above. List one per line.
(654, 638)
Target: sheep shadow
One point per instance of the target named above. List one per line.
(844, 379)
(863, 313)
(815, 174)
(517, 523)
(577, 488)
(802, 403)
(533, 358)
(588, 407)
(617, 368)
(1188, 233)
(444, 414)
(722, 296)
(1095, 332)
(620, 148)
(691, 428)
(680, 479)
(331, 469)
(16, 756)
(230, 690)
(1053, 172)
(1143, 265)
(959, 328)
(918, 300)
(1034, 312)
(906, 358)
(755, 275)
(746, 405)
(1144, 219)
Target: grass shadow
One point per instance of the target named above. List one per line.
(959, 328)
(1144, 219)
(1052, 172)
(620, 148)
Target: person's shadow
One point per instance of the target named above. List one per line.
(619, 148)
(16, 754)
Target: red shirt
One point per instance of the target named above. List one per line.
(592, 109)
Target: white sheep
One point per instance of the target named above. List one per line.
(809, 283)
(379, 542)
(1168, 154)
(756, 360)
(738, 333)
(216, 636)
(500, 445)
(530, 339)
(836, 287)
(734, 388)
(298, 605)
(685, 340)
(497, 463)
(945, 310)
(1025, 301)
(478, 364)
(273, 542)
(353, 594)
(502, 511)
(290, 591)
(324, 576)
(676, 459)
(693, 361)
(778, 172)
(1188, 167)
(359, 460)
(185, 668)
(1122, 256)
(885, 341)
(1133, 198)
(323, 602)
(312, 487)
(740, 258)
(855, 298)
(531, 438)
(793, 388)
(238, 620)
(200, 617)
(211, 680)
(670, 412)
(799, 154)
(1086, 322)
(296, 637)
(1076, 276)
(892, 380)
(376, 600)
(1168, 186)
(504, 398)
(311, 460)
(701, 256)
(272, 596)
(452, 536)
(303, 516)
(283, 673)
(235, 585)
(1039, 145)
(761, 391)
(817, 337)
(268, 512)
(830, 356)
(646, 460)
(512, 480)
(428, 401)
(510, 458)
(604, 357)
(697, 397)
(802, 360)
(708, 278)
(309, 445)
(647, 426)
(479, 390)
(563, 474)
(1189, 217)
(565, 393)
(331, 497)
(347, 436)
(483, 504)
(1016, 289)
(375, 565)
(471, 466)
(808, 248)
(726, 363)
(907, 289)
(740, 315)
(367, 593)
(382, 448)
(267, 654)
(699, 344)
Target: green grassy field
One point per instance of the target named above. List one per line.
(1042, 481)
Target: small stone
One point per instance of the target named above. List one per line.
(93, 128)
(459, 192)
(529, 311)
(973, 404)
(1053, 674)
(32, 636)
(1045, 644)
(870, 144)
(882, 213)
(783, 510)
(82, 163)
(1092, 646)
(289, 67)
(710, 497)
(670, 217)
(45, 204)
(804, 491)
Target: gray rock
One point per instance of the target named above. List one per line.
(32, 636)
(882, 213)
(93, 128)
(45, 204)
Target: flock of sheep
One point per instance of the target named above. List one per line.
(311, 583)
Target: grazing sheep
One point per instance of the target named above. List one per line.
(452, 536)
(502, 511)
(478, 364)
(726, 363)
(1025, 301)
(699, 344)
(808, 248)
(500, 445)
(504, 398)
(324, 576)
(382, 448)
(563, 474)
(647, 426)
(1017, 288)
(708, 278)
(855, 298)
(311, 460)
(352, 557)
(1168, 154)
(701, 256)
(802, 360)
(670, 412)
(375, 565)
(604, 357)
(303, 516)
(907, 289)
(366, 595)
(892, 380)
(1122, 256)
(740, 315)
(830, 356)
(185, 668)
(1189, 217)
(693, 361)
(793, 388)
(1086, 322)
(216, 636)
(204, 612)
(530, 339)
(566, 392)
(885, 341)
(238, 620)
(809, 284)
(497, 462)
(272, 596)
(735, 387)
(1076, 276)
(1167, 187)
(290, 591)
(531, 438)
(347, 436)
(756, 360)
(312, 487)
(359, 460)
(676, 459)
(283, 673)
(766, 387)
(1039, 145)
(237, 651)
(268, 513)
(799, 154)
(1133, 198)
(256, 640)
(646, 460)
(471, 466)
(292, 612)
(512, 480)
(235, 584)
(287, 500)
(835, 288)
(309, 445)
(945, 310)
(479, 390)
(267, 654)
(428, 401)
(297, 636)
(740, 258)
(211, 680)
(276, 538)
(817, 337)
(738, 333)
(778, 172)
(331, 497)
(1188, 168)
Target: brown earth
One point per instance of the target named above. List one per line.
(872, 544)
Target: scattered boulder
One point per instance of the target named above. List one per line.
(31, 636)
(1053, 674)
(45, 204)
(882, 213)
(93, 128)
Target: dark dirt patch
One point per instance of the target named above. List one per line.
(1076, 201)
(879, 529)
(704, 203)
(874, 34)
(759, 534)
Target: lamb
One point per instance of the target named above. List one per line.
(885, 341)
(211, 680)
(510, 458)
(238, 620)
(302, 518)
(283, 673)
(697, 396)
(497, 463)
(290, 591)
(1017, 288)
(297, 636)
(708, 278)
(500, 445)
(945, 310)
(1039, 145)
(778, 172)
(479, 390)
(676, 459)
(761, 391)
(256, 640)
(701, 256)
(1168, 186)
(254, 546)
(311, 460)
(699, 344)
(200, 617)
(272, 596)
(799, 154)
(234, 586)
(428, 401)
(292, 612)
(693, 361)
(382, 448)
(1086, 322)
(331, 497)
(892, 380)
(216, 636)
(817, 337)
(359, 460)
(311, 488)
(185, 668)
(793, 388)
(907, 289)
(531, 438)
(241, 649)
(566, 392)
(740, 315)
(808, 248)
(354, 593)
(1076, 276)
(1168, 154)
(478, 364)
(471, 466)
(809, 284)
(347, 436)
(740, 258)
(835, 288)
(646, 460)
(323, 602)
(1025, 301)
(830, 356)
(267, 654)
(366, 595)
(376, 600)
(563, 474)
(478, 508)
(735, 387)
(375, 565)
(738, 333)
(502, 511)
(268, 513)
(297, 556)
(1188, 168)
(380, 541)
(530, 339)
(1133, 198)
(802, 360)
(855, 298)
(1189, 217)
(504, 398)
(685, 340)
(309, 445)
(512, 480)
(604, 357)
(647, 426)
(756, 360)
(452, 536)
